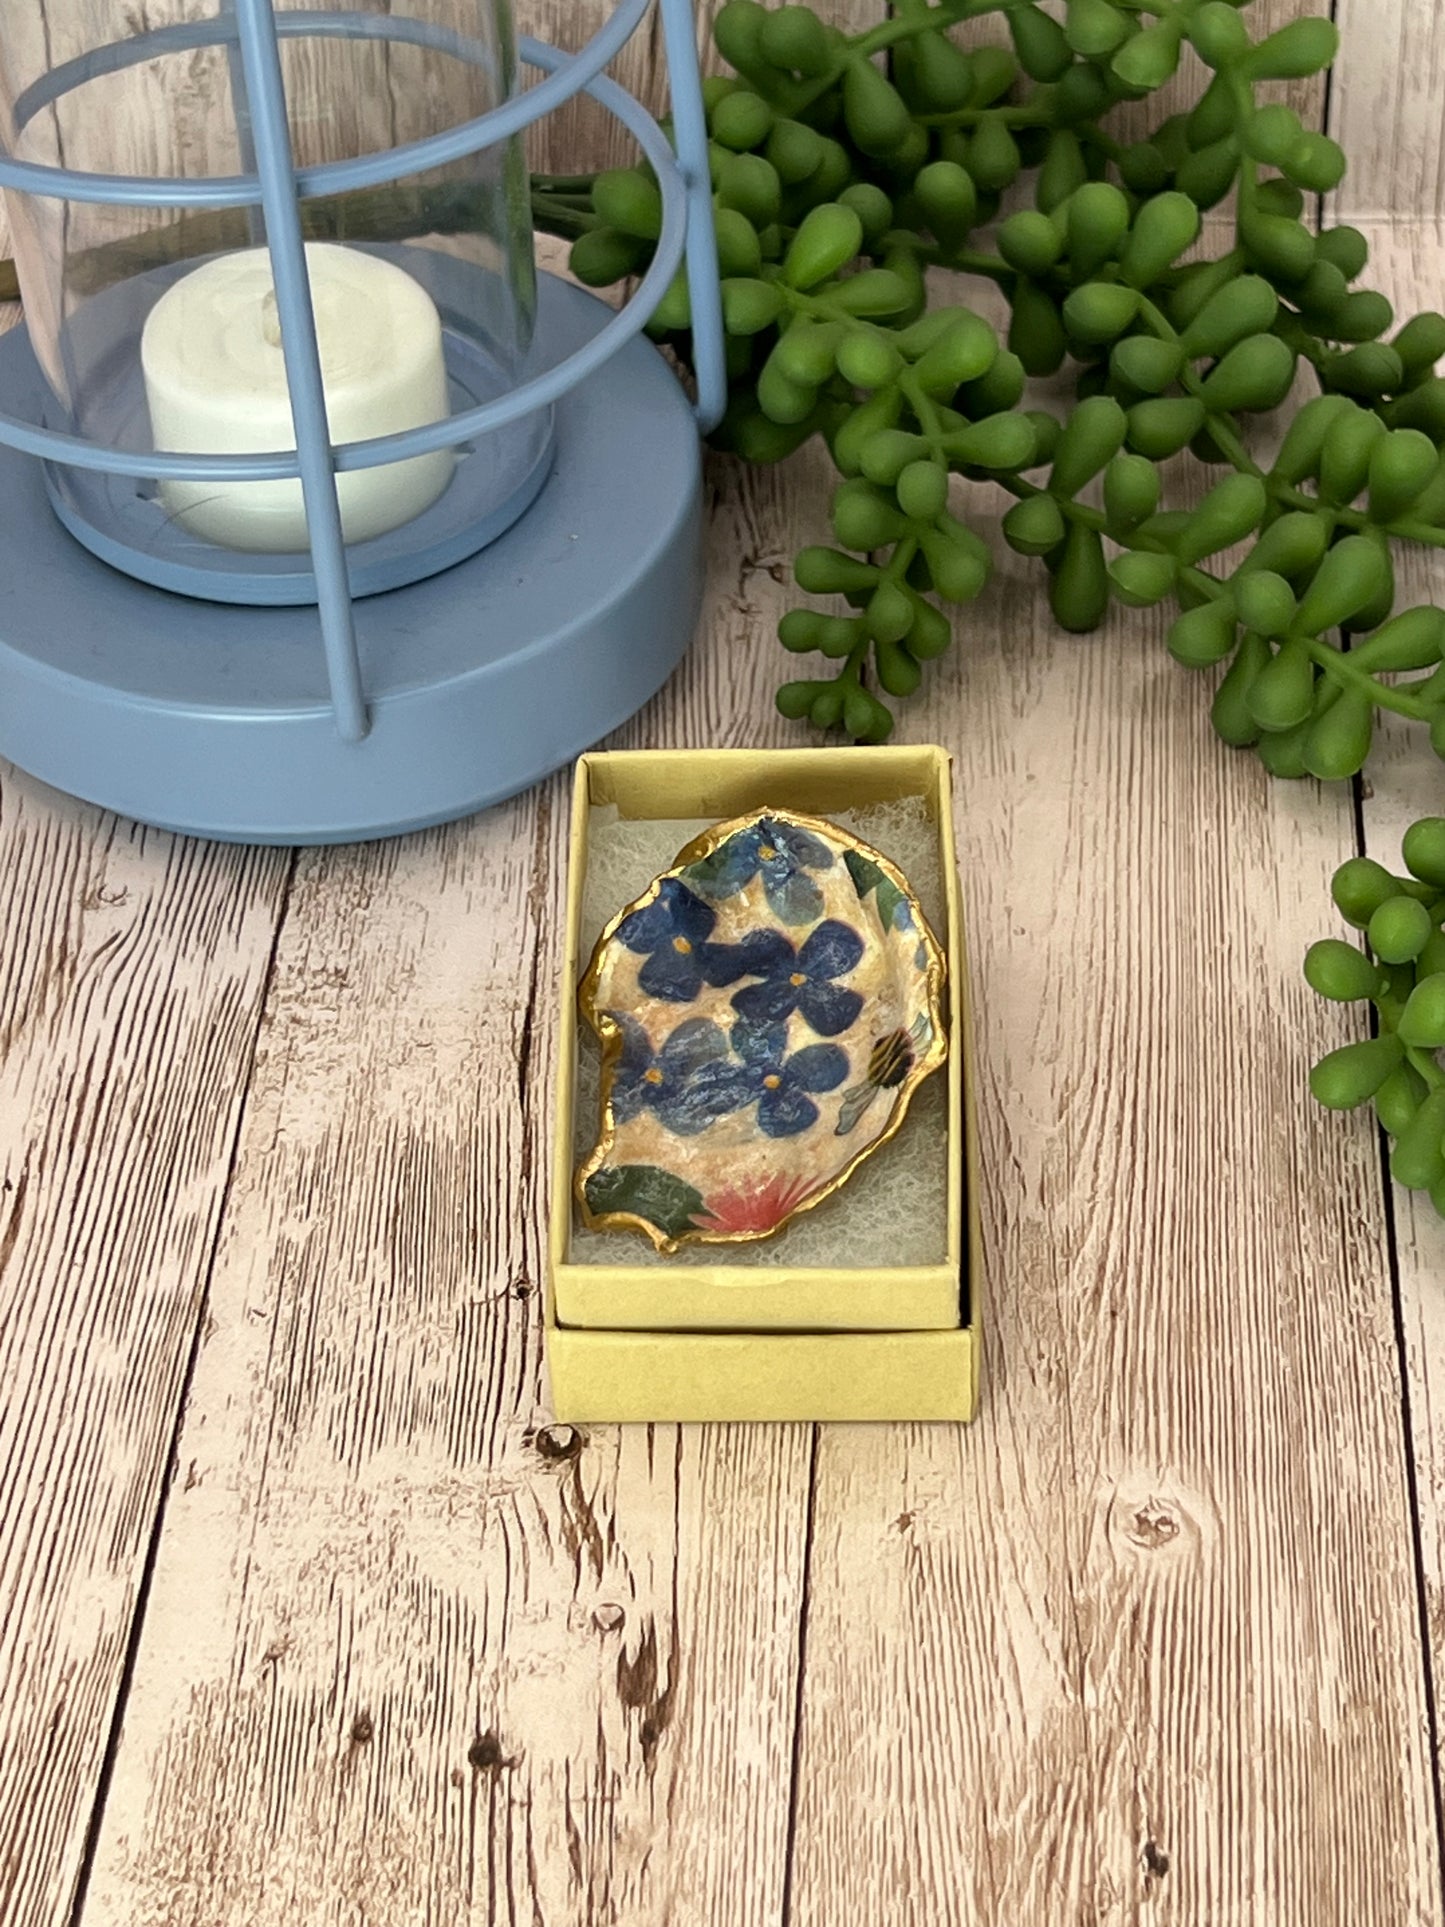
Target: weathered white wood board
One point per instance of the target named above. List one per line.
(1143, 1644)
(131, 980)
(408, 1656)
(1385, 111)
(1403, 781)
(479, 1666)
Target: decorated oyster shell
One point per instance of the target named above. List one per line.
(767, 1009)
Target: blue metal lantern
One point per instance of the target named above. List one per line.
(324, 515)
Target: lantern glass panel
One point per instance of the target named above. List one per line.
(82, 88)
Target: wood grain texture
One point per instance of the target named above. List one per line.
(1168, 1669)
(131, 981)
(174, 113)
(580, 135)
(1403, 781)
(409, 1656)
(1132, 1649)
(1385, 111)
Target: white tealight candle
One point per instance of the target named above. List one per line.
(215, 379)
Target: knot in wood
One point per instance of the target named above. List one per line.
(485, 1753)
(559, 1443)
(1159, 1521)
(1153, 1525)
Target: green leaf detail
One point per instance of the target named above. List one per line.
(889, 898)
(648, 1192)
(712, 874)
(868, 878)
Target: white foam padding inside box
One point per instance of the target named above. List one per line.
(894, 1209)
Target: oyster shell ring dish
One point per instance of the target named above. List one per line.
(766, 1010)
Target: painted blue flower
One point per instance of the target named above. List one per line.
(801, 980)
(783, 854)
(672, 932)
(764, 1074)
(671, 1081)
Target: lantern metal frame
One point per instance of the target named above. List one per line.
(253, 32)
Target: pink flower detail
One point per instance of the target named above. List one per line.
(759, 1207)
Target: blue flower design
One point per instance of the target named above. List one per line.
(672, 932)
(765, 1075)
(801, 980)
(783, 854)
(670, 1081)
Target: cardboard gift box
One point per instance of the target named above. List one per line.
(867, 1307)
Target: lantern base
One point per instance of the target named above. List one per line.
(214, 719)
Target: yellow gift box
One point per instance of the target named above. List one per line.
(631, 1336)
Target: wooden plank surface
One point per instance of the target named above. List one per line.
(131, 981)
(1141, 1646)
(1404, 781)
(1386, 113)
(409, 1656)
(1385, 110)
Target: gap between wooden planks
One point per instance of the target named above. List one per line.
(131, 983)
(1403, 781)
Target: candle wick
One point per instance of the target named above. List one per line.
(271, 319)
